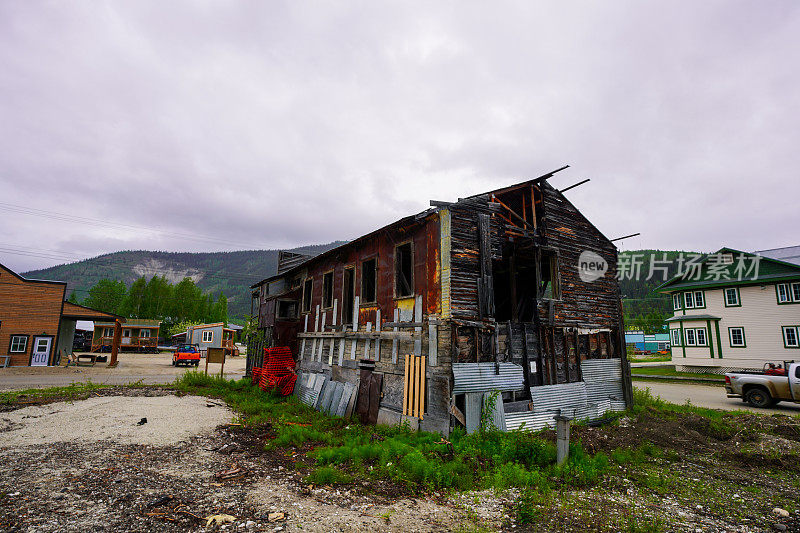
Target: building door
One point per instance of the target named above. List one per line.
(40, 354)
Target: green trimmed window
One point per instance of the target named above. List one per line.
(696, 336)
(676, 337)
(732, 297)
(699, 299)
(736, 337)
(791, 336)
(688, 300)
(788, 293)
(676, 302)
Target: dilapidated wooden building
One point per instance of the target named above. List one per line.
(513, 290)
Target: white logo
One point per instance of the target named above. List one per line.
(591, 266)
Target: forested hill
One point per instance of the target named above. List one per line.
(229, 272)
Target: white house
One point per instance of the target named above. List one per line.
(735, 310)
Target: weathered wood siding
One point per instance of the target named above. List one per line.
(28, 308)
(585, 304)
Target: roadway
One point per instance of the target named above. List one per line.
(711, 396)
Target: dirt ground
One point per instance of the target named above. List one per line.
(90, 465)
(149, 368)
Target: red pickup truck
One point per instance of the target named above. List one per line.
(186, 354)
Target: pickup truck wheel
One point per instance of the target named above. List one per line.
(759, 398)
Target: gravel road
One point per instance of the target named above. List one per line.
(150, 369)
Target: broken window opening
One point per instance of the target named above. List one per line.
(327, 290)
(369, 280)
(348, 295)
(550, 288)
(287, 309)
(403, 271)
(307, 288)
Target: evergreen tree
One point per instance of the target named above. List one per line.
(73, 298)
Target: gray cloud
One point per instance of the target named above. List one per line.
(285, 123)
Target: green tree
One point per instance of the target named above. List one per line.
(73, 298)
(157, 299)
(107, 295)
(132, 305)
(219, 310)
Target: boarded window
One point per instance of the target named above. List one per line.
(369, 279)
(403, 271)
(307, 287)
(287, 309)
(327, 289)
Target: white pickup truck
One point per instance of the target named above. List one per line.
(766, 388)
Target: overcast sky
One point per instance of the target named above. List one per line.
(240, 125)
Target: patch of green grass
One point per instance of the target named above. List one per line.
(74, 391)
(644, 401)
(327, 475)
(670, 371)
(654, 359)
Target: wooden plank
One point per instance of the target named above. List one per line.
(322, 341)
(355, 328)
(418, 330)
(473, 404)
(303, 344)
(394, 341)
(433, 344)
(341, 345)
(368, 342)
(316, 328)
(378, 342)
(421, 387)
(406, 383)
(333, 323)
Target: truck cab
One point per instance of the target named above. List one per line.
(773, 384)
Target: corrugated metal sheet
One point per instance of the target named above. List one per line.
(481, 377)
(599, 394)
(550, 397)
(323, 394)
(603, 379)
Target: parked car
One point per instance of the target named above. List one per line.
(186, 354)
(765, 388)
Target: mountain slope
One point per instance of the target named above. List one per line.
(229, 272)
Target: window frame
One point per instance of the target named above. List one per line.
(203, 336)
(688, 297)
(737, 303)
(675, 338)
(788, 288)
(327, 276)
(796, 330)
(397, 294)
(702, 297)
(705, 336)
(147, 331)
(11, 343)
(795, 296)
(363, 301)
(308, 290)
(730, 337)
(278, 314)
(677, 302)
(693, 342)
(106, 330)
